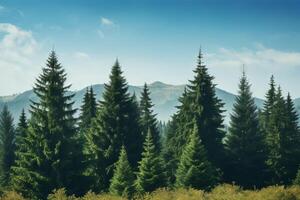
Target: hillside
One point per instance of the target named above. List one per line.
(164, 96)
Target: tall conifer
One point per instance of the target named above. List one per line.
(200, 102)
(88, 110)
(7, 146)
(116, 124)
(51, 151)
(147, 118)
(245, 142)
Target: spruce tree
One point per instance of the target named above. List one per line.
(52, 157)
(275, 135)
(7, 146)
(194, 169)
(200, 102)
(150, 175)
(147, 118)
(245, 142)
(88, 110)
(291, 141)
(21, 131)
(168, 153)
(268, 106)
(123, 178)
(116, 124)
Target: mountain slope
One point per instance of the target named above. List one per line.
(164, 96)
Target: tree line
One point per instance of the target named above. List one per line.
(116, 145)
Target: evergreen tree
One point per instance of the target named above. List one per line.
(148, 119)
(194, 169)
(116, 124)
(7, 146)
(123, 178)
(291, 141)
(150, 175)
(88, 110)
(268, 106)
(245, 142)
(274, 139)
(52, 157)
(199, 101)
(168, 153)
(21, 131)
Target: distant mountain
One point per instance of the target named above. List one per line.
(164, 96)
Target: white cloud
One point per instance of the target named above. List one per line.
(16, 44)
(81, 55)
(18, 48)
(260, 63)
(106, 21)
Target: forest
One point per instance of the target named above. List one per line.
(117, 149)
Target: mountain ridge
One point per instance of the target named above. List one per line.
(164, 97)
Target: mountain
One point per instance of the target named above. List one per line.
(164, 96)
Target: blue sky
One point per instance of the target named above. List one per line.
(153, 40)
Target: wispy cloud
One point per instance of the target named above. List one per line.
(18, 49)
(106, 22)
(81, 55)
(100, 33)
(260, 63)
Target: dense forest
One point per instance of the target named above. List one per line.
(118, 147)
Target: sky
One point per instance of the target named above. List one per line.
(154, 40)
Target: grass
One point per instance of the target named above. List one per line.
(222, 192)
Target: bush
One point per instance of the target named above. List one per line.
(221, 192)
(11, 195)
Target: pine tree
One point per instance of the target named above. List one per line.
(194, 169)
(200, 102)
(116, 124)
(51, 151)
(88, 110)
(7, 146)
(148, 119)
(123, 178)
(245, 142)
(150, 175)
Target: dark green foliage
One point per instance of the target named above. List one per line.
(150, 175)
(268, 105)
(123, 178)
(291, 141)
(199, 102)
(194, 169)
(116, 124)
(51, 151)
(148, 119)
(168, 153)
(21, 131)
(275, 132)
(245, 142)
(7, 146)
(88, 110)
